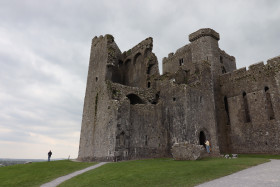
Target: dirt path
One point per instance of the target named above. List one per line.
(59, 180)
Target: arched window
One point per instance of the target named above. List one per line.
(122, 140)
(149, 68)
(135, 57)
(221, 60)
(134, 99)
(125, 71)
(268, 104)
(246, 108)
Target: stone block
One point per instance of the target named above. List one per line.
(187, 151)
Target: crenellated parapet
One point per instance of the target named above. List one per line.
(178, 54)
(107, 37)
(204, 32)
(273, 61)
(96, 40)
(255, 71)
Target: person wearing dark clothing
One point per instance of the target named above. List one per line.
(49, 155)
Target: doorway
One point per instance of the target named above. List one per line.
(202, 138)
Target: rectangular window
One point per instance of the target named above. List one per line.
(146, 140)
(246, 108)
(181, 61)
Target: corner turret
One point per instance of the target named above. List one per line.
(204, 32)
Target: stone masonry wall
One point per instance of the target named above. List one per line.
(253, 101)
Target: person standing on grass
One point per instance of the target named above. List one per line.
(49, 155)
(207, 143)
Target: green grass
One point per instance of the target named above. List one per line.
(259, 156)
(152, 172)
(162, 172)
(38, 173)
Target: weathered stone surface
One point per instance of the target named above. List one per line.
(131, 111)
(187, 151)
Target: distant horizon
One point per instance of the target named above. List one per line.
(39, 159)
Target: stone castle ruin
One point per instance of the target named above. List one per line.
(132, 112)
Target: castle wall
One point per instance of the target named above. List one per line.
(181, 59)
(139, 121)
(188, 108)
(132, 112)
(148, 137)
(253, 99)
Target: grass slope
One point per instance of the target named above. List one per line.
(38, 173)
(162, 172)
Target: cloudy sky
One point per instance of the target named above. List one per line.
(44, 54)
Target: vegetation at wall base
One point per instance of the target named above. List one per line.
(35, 174)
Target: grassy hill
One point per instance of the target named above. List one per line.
(151, 172)
(35, 174)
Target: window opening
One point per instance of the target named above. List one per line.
(146, 140)
(122, 140)
(226, 108)
(149, 69)
(246, 108)
(223, 70)
(268, 104)
(221, 60)
(134, 99)
(155, 101)
(181, 61)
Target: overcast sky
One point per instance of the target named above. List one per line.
(45, 45)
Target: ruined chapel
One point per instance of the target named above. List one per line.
(131, 111)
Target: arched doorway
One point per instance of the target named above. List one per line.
(202, 138)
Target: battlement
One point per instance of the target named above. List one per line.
(255, 70)
(108, 37)
(273, 61)
(204, 32)
(179, 52)
(257, 66)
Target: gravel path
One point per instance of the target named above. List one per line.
(59, 180)
(267, 174)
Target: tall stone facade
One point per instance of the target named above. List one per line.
(131, 111)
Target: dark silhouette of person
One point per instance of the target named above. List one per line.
(49, 155)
